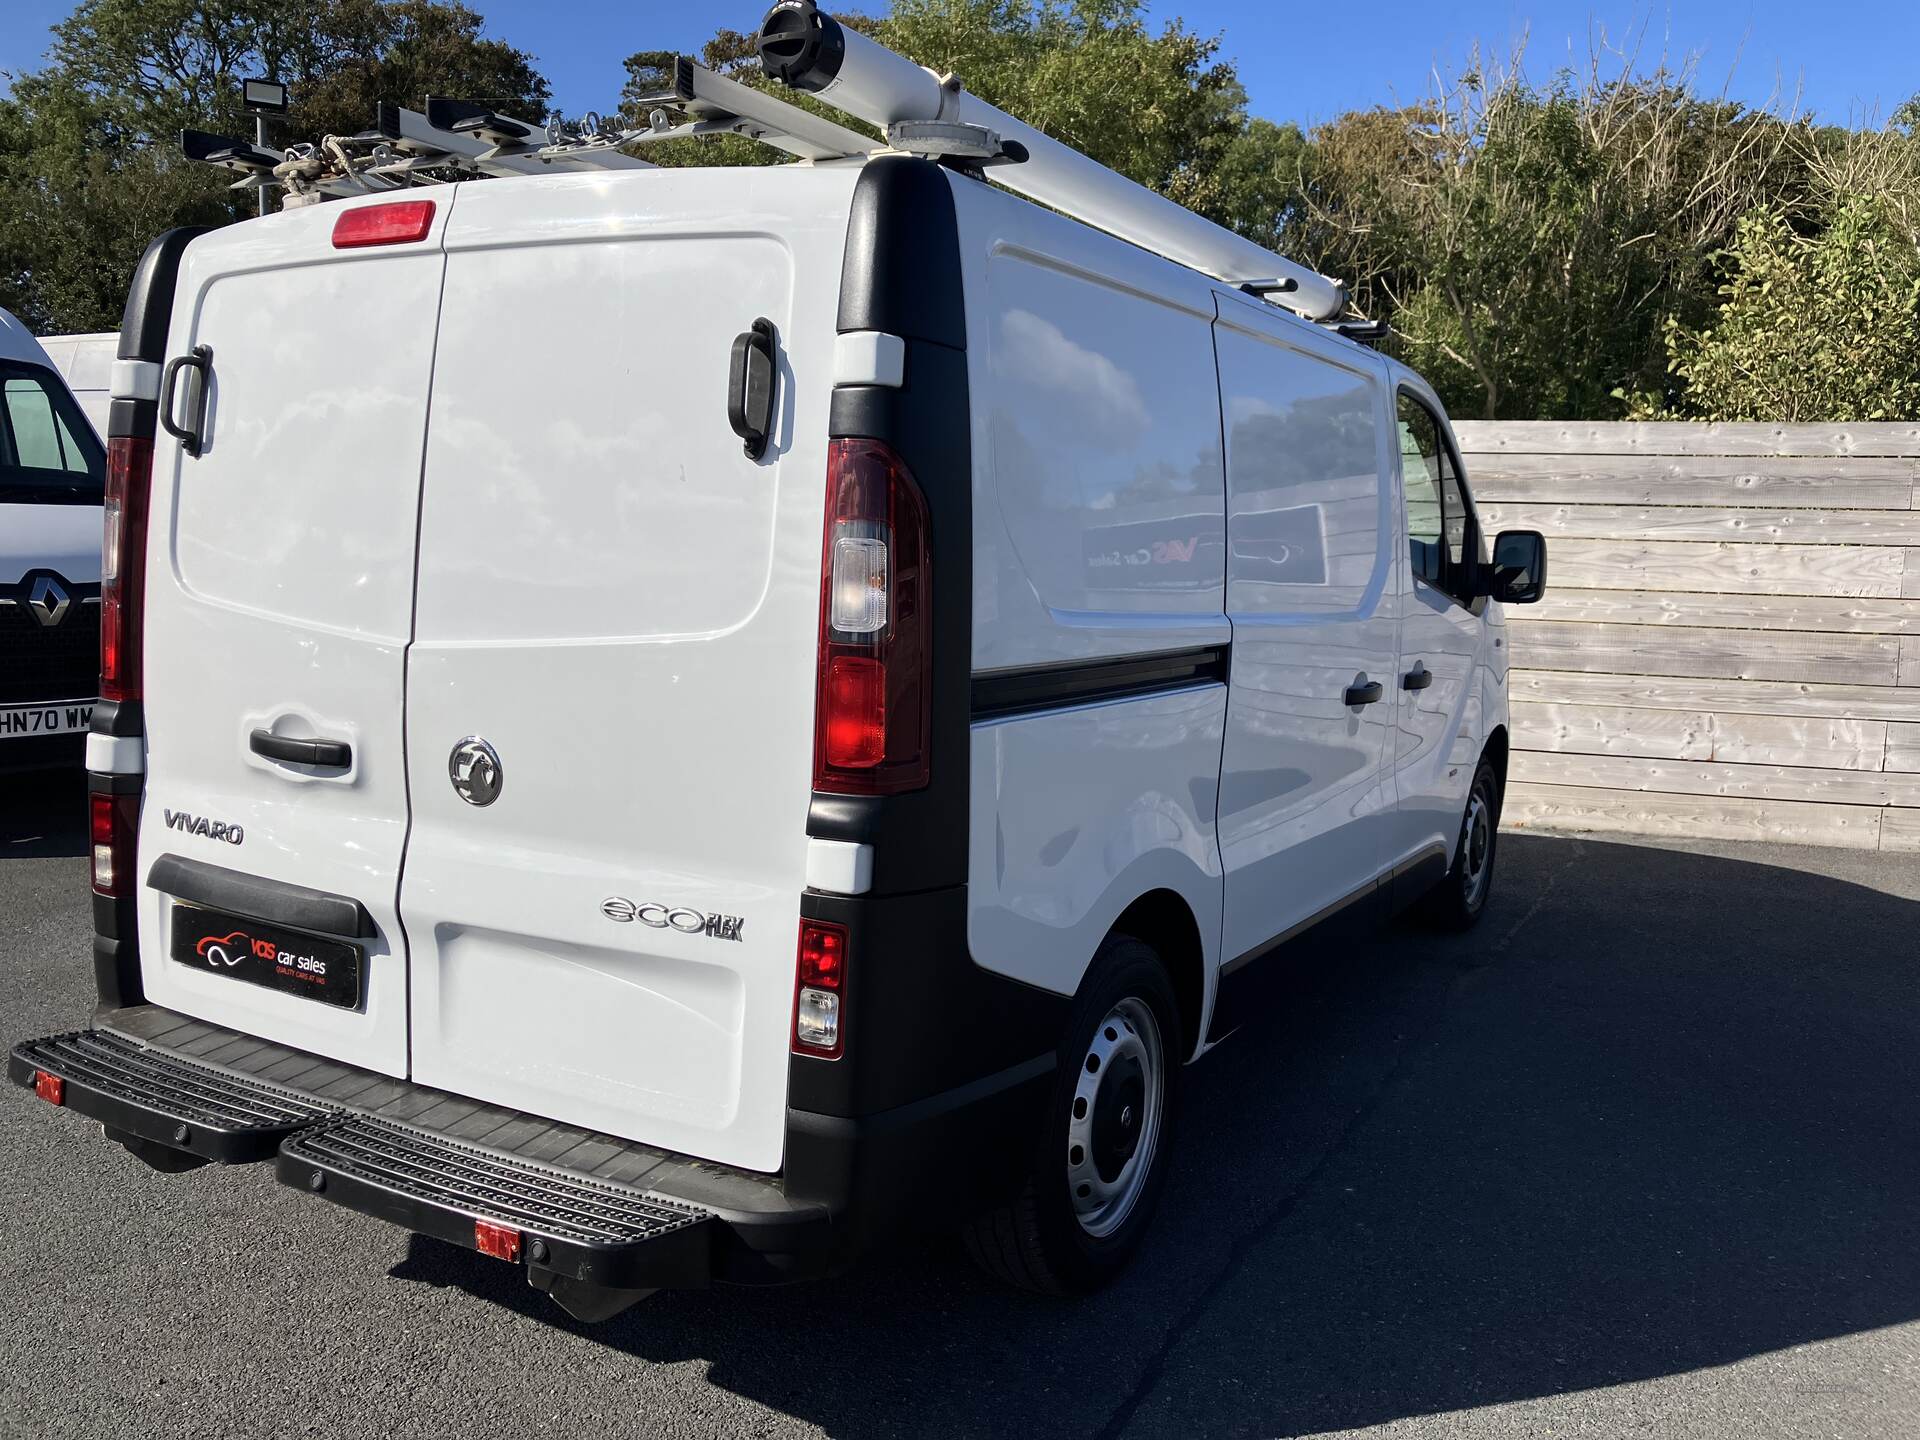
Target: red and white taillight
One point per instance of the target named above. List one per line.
(872, 703)
(112, 822)
(820, 982)
(123, 564)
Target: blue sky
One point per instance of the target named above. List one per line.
(1845, 58)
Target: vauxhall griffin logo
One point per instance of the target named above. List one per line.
(49, 600)
(474, 769)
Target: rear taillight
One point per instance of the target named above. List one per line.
(123, 564)
(820, 980)
(400, 223)
(113, 821)
(872, 701)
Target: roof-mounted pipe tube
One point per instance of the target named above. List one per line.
(808, 49)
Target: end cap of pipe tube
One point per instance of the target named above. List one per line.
(800, 46)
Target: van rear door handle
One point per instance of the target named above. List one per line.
(1417, 678)
(1364, 692)
(328, 754)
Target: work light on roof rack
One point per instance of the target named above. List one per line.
(954, 140)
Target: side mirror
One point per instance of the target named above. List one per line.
(1518, 574)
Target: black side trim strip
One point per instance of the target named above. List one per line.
(1031, 689)
(251, 896)
(1366, 892)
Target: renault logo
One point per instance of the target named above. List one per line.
(48, 600)
(474, 768)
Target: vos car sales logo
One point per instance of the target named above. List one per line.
(228, 951)
(209, 829)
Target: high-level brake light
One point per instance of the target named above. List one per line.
(398, 223)
(872, 702)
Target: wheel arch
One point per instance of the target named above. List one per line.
(1497, 750)
(1163, 919)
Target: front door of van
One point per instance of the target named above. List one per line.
(1438, 729)
(1310, 573)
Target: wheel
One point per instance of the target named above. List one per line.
(1458, 900)
(1096, 1173)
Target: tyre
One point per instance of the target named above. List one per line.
(1459, 900)
(1096, 1173)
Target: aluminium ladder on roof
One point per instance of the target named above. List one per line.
(808, 49)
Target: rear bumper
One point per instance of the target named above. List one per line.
(583, 1205)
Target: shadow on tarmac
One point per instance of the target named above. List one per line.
(1655, 1115)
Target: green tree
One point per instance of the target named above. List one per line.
(1530, 243)
(1814, 327)
(89, 165)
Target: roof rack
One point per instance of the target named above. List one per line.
(714, 105)
(461, 138)
(808, 49)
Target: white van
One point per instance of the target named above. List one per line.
(52, 468)
(664, 725)
(85, 363)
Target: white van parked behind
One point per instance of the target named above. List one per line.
(821, 758)
(85, 363)
(52, 469)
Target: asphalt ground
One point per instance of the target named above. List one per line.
(1639, 1157)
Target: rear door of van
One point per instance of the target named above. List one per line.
(279, 599)
(610, 691)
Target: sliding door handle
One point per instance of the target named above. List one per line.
(328, 754)
(1417, 678)
(1364, 691)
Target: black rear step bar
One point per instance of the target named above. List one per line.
(567, 1227)
(155, 1096)
(594, 1242)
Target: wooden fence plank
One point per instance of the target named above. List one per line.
(1903, 746)
(1552, 437)
(1748, 527)
(1697, 817)
(1855, 615)
(1822, 484)
(1731, 640)
(1728, 569)
(1698, 777)
(1721, 654)
(1830, 743)
(1900, 830)
(1747, 697)
(1909, 660)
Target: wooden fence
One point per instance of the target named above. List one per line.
(1730, 644)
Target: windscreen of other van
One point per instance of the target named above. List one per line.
(48, 453)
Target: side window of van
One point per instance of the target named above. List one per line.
(1438, 520)
(43, 439)
(34, 435)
